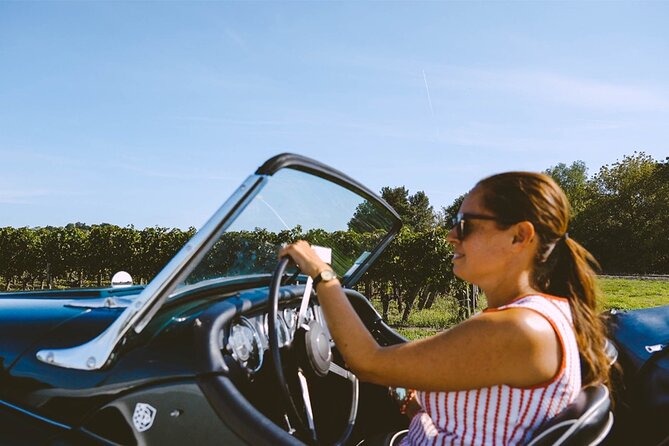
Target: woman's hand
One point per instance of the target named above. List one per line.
(412, 407)
(304, 257)
(406, 400)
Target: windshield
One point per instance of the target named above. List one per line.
(296, 205)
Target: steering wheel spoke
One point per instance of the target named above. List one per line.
(341, 371)
(306, 399)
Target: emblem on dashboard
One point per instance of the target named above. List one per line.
(143, 416)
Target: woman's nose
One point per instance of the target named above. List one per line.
(451, 236)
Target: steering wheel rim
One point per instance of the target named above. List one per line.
(274, 350)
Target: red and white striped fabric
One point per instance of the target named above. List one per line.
(502, 415)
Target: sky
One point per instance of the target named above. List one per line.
(152, 113)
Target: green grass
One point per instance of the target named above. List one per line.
(414, 333)
(442, 315)
(629, 294)
(618, 293)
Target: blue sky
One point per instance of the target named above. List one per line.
(152, 113)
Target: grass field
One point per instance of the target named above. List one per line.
(630, 294)
(618, 293)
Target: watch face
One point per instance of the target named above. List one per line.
(328, 275)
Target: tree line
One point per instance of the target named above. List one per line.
(79, 254)
(621, 214)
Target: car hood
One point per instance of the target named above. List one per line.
(27, 319)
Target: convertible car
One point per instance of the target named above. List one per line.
(226, 345)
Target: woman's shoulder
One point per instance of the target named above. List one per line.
(529, 341)
(533, 298)
(521, 316)
(547, 305)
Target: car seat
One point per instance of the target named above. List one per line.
(586, 421)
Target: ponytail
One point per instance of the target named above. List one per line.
(573, 276)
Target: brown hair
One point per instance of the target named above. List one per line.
(562, 266)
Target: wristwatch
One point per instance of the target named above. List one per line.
(324, 276)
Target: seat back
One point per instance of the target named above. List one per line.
(586, 421)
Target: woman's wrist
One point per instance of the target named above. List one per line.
(318, 271)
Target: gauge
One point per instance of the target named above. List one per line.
(244, 344)
(284, 333)
(309, 314)
(290, 317)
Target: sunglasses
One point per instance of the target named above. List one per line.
(462, 229)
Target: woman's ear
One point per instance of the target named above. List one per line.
(524, 233)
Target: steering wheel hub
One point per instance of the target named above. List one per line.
(317, 347)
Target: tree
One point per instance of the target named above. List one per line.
(573, 180)
(19, 253)
(398, 198)
(414, 268)
(100, 251)
(414, 210)
(150, 256)
(123, 249)
(7, 248)
(75, 260)
(449, 213)
(625, 224)
(369, 217)
(421, 213)
(363, 214)
(660, 182)
(55, 248)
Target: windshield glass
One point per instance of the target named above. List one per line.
(296, 205)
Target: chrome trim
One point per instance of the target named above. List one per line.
(354, 400)
(94, 354)
(103, 302)
(341, 371)
(583, 419)
(605, 431)
(610, 351)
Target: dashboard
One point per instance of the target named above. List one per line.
(248, 336)
(234, 344)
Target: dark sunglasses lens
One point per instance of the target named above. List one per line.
(459, 225)
(462, 229)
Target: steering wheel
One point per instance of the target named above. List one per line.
(311, 348)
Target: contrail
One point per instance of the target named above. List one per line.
(429, 99)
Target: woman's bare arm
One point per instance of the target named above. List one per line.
(517, 347)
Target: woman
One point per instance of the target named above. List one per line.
(495, 378)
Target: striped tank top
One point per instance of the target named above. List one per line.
(502, 415)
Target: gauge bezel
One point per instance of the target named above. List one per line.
(285, 334)
(290, 319)
(259, 347)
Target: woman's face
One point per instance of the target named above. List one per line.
(482, 255)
